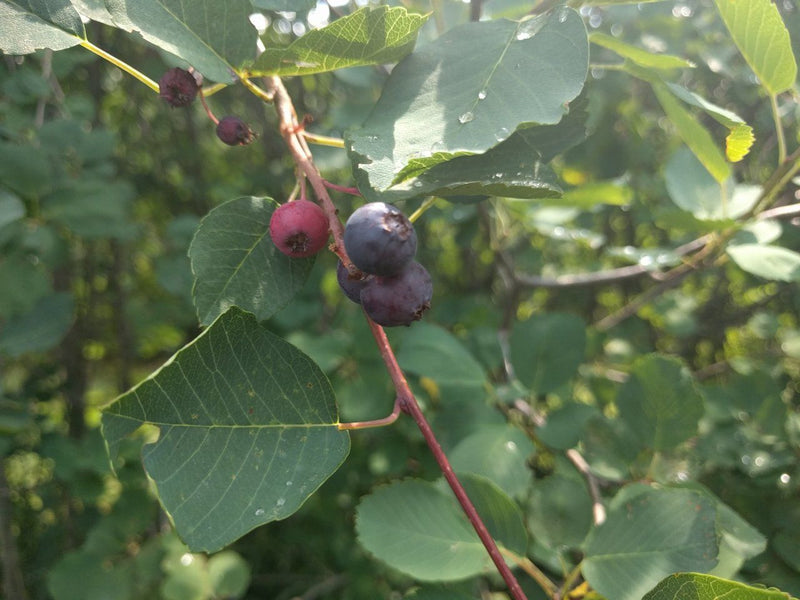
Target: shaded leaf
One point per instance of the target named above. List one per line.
(692, 188)
(499, 453)
(547, 349)
(235, 263)
(212, 37)
(30, 25)
(757, 29)
(247, 431)
(769, 262)
(637, 55)
(419, 529)
(23, 284)
(11, 208)
(366, 37)
(600, 192)
(559, 510)
(445, 100)
(696, 586)
(649, 536)
(660, 402)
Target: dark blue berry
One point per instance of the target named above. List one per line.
(351, 284)
(234, 132)
(380, 239)
(398, 300)
(177, 87)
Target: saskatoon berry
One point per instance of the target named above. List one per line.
(234, 132)
(351, 284)
(399, 300)
(379, 239)
(177, 87)
(299, 228)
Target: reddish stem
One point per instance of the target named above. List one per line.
(405, 398)
(340, 188)
(408, 404)
(205, 105)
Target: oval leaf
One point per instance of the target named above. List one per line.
(247, 431)
(235, 263)
(696, 586)
(547, 349)
(639, 56)
(659, 402)
(433, 352)
(647, 537)
(365, 37)
(769, 262)
(446, 100)
(420, 530)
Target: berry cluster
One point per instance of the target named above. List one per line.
(392, 287)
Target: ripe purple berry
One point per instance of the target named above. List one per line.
(351, 284)
(398, 300)
(379, 239)
(234, 132)
(299, 228)
(177, 87)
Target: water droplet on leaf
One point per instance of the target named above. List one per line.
(482, 95)
(466, 117)
(260, 512)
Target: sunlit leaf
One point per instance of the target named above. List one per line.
(769, 262)
(637, 55)
(697, 586)
(30, 25)
(367, 36)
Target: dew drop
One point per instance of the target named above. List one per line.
(501, 134)
(482, 95)
(187, 559)
(260, 512)
(417, 183)
(289, 483)
(466, 117)
(511, 446)
(280, 502)
(562, 16)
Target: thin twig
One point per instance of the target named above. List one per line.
(598, 509)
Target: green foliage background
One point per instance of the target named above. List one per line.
(686, 410)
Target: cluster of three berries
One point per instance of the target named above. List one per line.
(391, 286)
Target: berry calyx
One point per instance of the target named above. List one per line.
(351, 284)
(234, 132)
(177, 87)
(398, 300)
(299, 228)
(380, 239)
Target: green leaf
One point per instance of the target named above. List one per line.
(740, 138)
(235, 263)
(691, 187)
(93, 208)
(499, 453)
(431, 351)
(762, 38)
(769, 262)
(649, 536)
(39, 329)
(559, 511)
(23, 284)
(547, 349)
(212, 37)
(446, 100)
(11, 208)
(696, 586)
(660, 402)
(564, 427)
(30, 25)
(639, 56)
(693, 133)
(418, 528)
(229, 574)
(247, 431)
(366, 37)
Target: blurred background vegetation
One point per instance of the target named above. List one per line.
(102, 186)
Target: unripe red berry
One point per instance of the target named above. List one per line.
(299, 228)
(177, 87)
(234, 132)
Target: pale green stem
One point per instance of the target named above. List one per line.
(121, 64)
(323, 140)
(266, 97)
(213, 89)
(524, 563)
(570, 580)
(422, 208)
(773, 101)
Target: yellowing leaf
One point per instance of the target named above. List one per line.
(738, 142)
